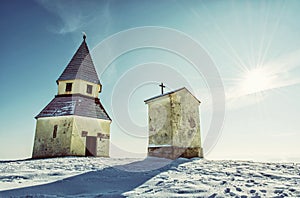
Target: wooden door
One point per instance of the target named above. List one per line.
(91, 146)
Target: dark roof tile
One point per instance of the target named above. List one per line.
(75, 104)
(81, 66)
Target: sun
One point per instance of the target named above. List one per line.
(256, 80)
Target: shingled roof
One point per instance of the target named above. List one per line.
(75, 104)
(81, 66)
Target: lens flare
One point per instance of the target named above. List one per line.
(257, 80)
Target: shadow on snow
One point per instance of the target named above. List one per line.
(108, 182)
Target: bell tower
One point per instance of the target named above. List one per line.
(75, 122)
(80, 76)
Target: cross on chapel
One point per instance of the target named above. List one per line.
(162, 88)
(179, 135)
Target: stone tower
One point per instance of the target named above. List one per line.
(74, 123)
(174, 125)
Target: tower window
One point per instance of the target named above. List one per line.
(69, 87)
(89, 89)
(54, 131)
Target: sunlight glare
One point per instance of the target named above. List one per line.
(256, 80)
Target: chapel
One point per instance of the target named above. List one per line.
(75, 122)
(174, 125)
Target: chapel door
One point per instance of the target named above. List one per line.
(91, 146)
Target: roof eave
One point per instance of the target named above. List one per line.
(171, 92)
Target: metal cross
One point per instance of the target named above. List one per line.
(162, 88)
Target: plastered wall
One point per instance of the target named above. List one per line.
(93, 127)
(186, 122)
(174, 120)
(160, 130)
(78, 86)
(69, 139)
(45, 145)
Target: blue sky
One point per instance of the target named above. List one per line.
(254, 45)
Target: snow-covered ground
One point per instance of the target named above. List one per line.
(150, 177)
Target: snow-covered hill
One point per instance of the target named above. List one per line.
(150, 177)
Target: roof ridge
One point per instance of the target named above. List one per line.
(171, 92)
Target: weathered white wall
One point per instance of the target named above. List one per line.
(47, 146)
(69, 140)
(160, 131)
(174, 124)
(93, 126)
(78, 86)
(186, 122)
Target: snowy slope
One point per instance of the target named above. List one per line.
(150, 177)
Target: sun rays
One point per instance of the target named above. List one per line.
(258, 72)
(257, 80)
(263, 79)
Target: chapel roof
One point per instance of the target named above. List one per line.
(81, 66)
(169, 93)
(76, 104)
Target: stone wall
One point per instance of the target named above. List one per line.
(174, 152)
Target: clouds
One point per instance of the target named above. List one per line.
(75, 15)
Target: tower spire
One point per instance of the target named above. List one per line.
(81, 66)
(84, 35)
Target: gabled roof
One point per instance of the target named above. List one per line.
(75, 104)
(81, 66)
(171, 92)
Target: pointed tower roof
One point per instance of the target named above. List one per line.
(81, 66)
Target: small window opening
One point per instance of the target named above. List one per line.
(89, 89)
(84, 133)
(69, 87)
(54, 131)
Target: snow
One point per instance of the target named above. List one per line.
(150, 177)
